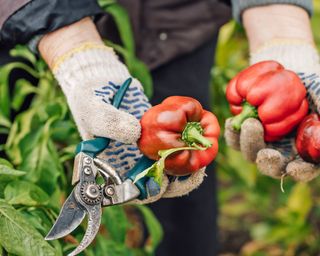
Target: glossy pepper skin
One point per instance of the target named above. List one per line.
(177, 122)
(308, 139)
(266, 90)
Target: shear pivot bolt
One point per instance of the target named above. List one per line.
(87, 170)
(87, 160)
(92, 191)
(109, 191)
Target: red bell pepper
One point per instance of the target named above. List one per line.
(308, 138)
(181, 134)
(266, 90)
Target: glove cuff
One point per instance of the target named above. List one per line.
(296, 55)
(90, 63)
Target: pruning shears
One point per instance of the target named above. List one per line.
(88, 197)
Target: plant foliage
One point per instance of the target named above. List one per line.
(36, 168)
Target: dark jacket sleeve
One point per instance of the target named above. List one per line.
(24, 20)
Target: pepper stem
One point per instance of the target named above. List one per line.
(192, 135)
(156, 170)
(247, 111)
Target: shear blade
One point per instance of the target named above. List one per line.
(70, 217)
(94, 221)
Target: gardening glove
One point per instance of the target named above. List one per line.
(89, 76)
(280, 158)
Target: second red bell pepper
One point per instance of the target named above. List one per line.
(308, 139)
(266, 90)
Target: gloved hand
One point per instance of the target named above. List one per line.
(280, 158)
(89, 76)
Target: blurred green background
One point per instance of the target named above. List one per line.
(256, 218)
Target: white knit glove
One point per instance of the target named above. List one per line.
(280, 158)
(89, 76)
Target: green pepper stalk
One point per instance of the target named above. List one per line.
(247, 111)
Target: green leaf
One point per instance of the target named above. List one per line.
(22, 88)
(23, 52)
(136, 67)
(116, 222)
(300, 200)
(4, 83)
(3, 131)
(40, 159)
(4, 91)
(227, 32)
(4, 121)
(41, 162)
(140, 71)
(105, 3)
(7, 174)
(56, 108)
(40, 218)
(25, 193)
(19, 129)
(63, 131)
(111, 248)
(154, 228)
(122, 21)
(18, 237)
(5, 162)
(68, 153)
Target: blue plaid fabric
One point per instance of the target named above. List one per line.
(122, 156)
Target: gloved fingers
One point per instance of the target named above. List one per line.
(151, 199)
(303, 171)
(251, 138)
(107, 121)
(135, 101)
(232, 136)
(271, 162)
(103, 120)
(180, 187)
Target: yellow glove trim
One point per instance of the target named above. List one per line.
(81, 48)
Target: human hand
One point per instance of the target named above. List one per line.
(282, 33)
(90, 73)
(280, 158)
